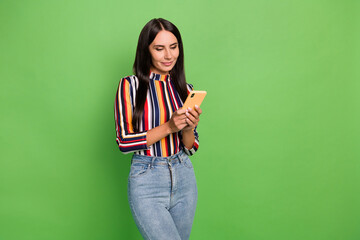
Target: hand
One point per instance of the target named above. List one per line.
(177, 121)
(192, 118)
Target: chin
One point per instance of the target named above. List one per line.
(169, 68)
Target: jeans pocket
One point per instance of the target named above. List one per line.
(139, 169)
(187, 162)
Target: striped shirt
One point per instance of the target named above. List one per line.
(161, 101)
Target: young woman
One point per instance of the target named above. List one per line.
(150, 122)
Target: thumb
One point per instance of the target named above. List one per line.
(181, 111)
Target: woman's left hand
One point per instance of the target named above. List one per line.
(192, 118)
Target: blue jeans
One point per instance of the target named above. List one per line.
(162, 194)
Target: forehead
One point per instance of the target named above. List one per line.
(164, 38)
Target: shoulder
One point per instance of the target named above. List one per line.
(131, 80)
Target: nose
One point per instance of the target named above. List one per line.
(167, 54)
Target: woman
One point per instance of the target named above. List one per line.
(162, 190)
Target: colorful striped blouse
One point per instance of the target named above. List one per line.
(162, 100)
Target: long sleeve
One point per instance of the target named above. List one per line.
(195, 146)
(162, 100)
(127, 140)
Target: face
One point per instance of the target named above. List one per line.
(164, 52)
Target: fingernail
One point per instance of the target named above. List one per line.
(196, 106)
(189, 108)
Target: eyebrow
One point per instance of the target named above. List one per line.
(163, 45)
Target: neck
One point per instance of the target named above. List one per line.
(158, 72)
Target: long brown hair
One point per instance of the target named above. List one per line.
(143, 62)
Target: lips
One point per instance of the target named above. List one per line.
(167, 63)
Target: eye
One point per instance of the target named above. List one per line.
(174, 47)
(158, 49)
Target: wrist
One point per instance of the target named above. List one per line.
(168, 128)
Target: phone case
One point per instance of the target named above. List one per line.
(194, 98)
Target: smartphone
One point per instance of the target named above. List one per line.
(194, 98)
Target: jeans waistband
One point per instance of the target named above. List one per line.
(153, 160)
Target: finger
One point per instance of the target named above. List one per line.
(182, 126)
(175, 116)
(180, 118)
(180, 111)
(180, 121)
(198, 109)
(191, 124)
(191, 117)
(193, 112)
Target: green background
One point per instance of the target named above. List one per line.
(279, 136)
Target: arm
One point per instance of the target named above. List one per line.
(175, 124)
(190, 137)
(127, 140)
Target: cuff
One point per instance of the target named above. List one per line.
(193, 149)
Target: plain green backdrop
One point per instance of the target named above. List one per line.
(279, 139)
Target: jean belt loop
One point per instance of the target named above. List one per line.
(152, 162)
(180, 157)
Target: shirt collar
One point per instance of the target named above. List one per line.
(159, 77)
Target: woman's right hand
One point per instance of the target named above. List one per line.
(177, 121)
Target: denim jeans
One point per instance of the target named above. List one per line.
(162, 194)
